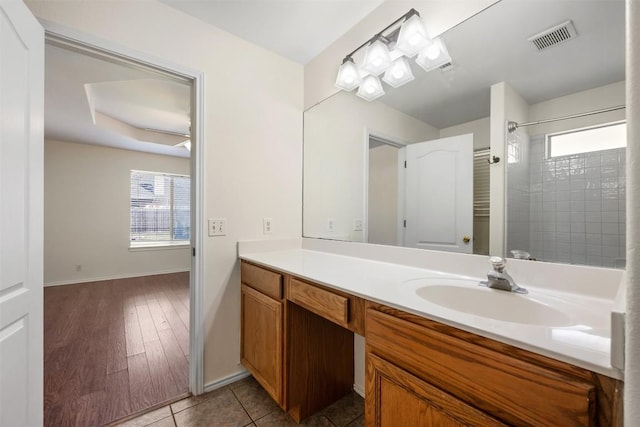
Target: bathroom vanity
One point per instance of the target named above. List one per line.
(424, 365)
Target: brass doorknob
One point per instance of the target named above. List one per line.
(466, 239)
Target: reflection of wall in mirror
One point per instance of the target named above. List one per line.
(383, 195)
(335, 143)
(518, 192)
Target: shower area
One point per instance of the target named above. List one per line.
(566, 194)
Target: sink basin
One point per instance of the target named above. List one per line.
(466, 296)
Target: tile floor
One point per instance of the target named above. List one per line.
(245, 403)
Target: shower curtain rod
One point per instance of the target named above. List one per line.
(512, 126)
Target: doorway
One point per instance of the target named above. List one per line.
(413, 188)
(384, 192)
(152, 316)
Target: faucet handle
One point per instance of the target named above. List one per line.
(498, 263)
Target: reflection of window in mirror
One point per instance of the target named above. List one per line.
(566, 203)
(587, 140)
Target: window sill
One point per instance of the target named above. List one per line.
(157, 246)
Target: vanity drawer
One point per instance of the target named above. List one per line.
(323, 302)
(509, 389)
(261, 279)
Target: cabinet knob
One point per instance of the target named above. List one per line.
(466, 239)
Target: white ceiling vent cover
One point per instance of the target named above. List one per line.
(554, 36)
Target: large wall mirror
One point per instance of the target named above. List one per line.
(389, 171)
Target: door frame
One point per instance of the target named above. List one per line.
(399, 144)
(90, 44)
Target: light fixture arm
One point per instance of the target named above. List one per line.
(380, 35)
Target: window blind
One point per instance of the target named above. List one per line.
(160, 207)
(481, 183)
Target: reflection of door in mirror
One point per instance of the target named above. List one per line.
(430, 184)
(439, 194)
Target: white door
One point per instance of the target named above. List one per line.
(21, 215)
(439, 194)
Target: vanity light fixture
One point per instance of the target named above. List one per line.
(388, 52)
(398, 73)
(433, 56)
(371, 88)
(348, 75)
(377, 57)
(413, 35)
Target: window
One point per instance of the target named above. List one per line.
(606, 137)
(160, 209)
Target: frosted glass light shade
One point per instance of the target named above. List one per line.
(413, 36)
(433, 56)
(348, 76)
(398, 73)
(370, 88)
(377, 58)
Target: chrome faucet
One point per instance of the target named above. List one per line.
(498, 278)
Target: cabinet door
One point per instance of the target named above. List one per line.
(261, 341)
(397, 398)
(516, 391)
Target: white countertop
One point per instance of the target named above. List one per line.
(585, 341)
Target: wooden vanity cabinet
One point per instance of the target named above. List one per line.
(261, 342)
(422, 370)
(297, 339)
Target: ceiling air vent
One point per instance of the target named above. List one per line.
(446, 66)
(554, 36)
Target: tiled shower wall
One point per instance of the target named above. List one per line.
(577, 206)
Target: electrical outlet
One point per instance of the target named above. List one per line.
(331, 224)
(357, 225)
(267, 224)
(217, 227)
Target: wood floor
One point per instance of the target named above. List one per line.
(114, 348)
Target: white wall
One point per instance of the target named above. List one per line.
(518, 195)
(632, 330)
(506, 105)
(589, 100)
(335, 147)
(252, 133)
(86, 214)
(479, 128)
(383, 195)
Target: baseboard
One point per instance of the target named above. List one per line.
(226, 381)
(359, 389)
(114, 277)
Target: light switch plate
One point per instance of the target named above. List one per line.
(217, 227)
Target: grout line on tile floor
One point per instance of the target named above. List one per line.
(242, 406)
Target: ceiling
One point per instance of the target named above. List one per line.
(492, 47)
(99, 101)
(296, 29)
